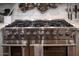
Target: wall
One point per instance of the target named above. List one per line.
(5, 5)
(35, 14)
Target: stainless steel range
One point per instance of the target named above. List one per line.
(39, 37)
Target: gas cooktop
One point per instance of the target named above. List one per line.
(40, 23)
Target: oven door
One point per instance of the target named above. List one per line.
(55, 51)
(16, 51)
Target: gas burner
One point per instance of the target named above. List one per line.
(59, 23)
(20, 23)
(27, 23)
(40, 23)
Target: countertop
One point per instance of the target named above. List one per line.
(2, 25)
(75, 23)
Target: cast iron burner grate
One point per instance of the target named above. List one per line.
(40, 23)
